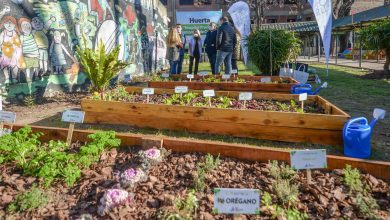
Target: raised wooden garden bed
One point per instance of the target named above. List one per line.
(278, 84)
(323, 128)
(379, 169)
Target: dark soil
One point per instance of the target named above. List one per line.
(325, 198)
(376, 74)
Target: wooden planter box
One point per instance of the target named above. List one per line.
(269, 125)
(229, 86)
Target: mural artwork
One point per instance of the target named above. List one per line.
(38, 40)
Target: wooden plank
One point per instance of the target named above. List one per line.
(246, 77)
(234, 116)
(228, 86)
(378, 169)
(288, 134)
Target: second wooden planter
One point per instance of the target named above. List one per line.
(284, 87)
(269, 125)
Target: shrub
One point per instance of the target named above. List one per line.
(285, 47)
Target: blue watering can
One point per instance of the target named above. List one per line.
(357, 135)
(306, 88)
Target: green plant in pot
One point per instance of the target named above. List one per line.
(100, 66)
(285, 46)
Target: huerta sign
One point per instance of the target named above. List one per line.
(191, 20)
(236, 201)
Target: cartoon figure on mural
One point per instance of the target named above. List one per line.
(40, 31)
(11, 59)
(56, 53)
(29, 48)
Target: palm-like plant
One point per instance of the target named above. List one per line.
(100, 66)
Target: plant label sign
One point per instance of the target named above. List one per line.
(308, 159)
(302, 97)
(226, 76)
(203, 73)
(73, 116)
(165, 75)
(7, 117)
(266, 80)
(209, 93)
(245, 96)
(234, 71)
(236, 201)
(148, 91)
(190, 76)
(181, 89)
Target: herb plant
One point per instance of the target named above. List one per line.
(29, 200)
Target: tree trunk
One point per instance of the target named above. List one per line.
(387, 64)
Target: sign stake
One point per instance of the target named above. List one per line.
(147, 98)
(302, 98)
(244, 104)
(308, 172)
(70, 133)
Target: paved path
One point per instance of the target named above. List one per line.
(366, 64)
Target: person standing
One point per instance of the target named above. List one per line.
(182, 49)
(173, 46)
(195, 50)
(226, 40)
(210, 45)
(237, 49)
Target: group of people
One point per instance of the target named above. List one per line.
(222, 45)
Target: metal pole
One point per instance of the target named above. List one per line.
(319, 47)
(337, 45)
(270, 49)
(360, 49)
(309, 47)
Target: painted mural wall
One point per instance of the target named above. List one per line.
(38, 39)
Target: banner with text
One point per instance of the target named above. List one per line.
(191, 20)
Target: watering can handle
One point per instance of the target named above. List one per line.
(299, 86)
(362, 120)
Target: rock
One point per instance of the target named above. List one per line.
(333, 210)
(210, 197)
(323, 200)
(5, 199)
(30, 179)
(181, 161)
(106, 172)
(206, 216)
(374, 182)
(338, 194)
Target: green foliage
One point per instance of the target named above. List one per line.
(29, 200)
(282, 171)
(29, 101)
(285, 47)
(282, 106)
(239, 80)
(289, 214)
(53, 160)
(118, 94)
(366, 206)
(202, 169)
(286, 192)
(211, 79)
(352, 179)
(266, 199)
(184, 99)
(187, 98)
(174, 99)
(377, 35)
(100, 66)
(224, 102)
(185, 208)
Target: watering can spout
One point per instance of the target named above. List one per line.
(373, 123)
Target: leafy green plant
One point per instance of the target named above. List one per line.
(285, 47)
(224, 102)
(100, 66)
(376, 36)
(239, 80)
(29, 200)
(366, 206)
(29, 101)
(352, 179)
(185, 208)
(286, 192)
(187, 98)
(211, 163)
(211, 79)
(118, 94)
(295, 107)
(202, 169)
(282, 171)
(266, 199)
(282, 106)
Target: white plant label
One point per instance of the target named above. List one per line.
(148, 91)
(190, 76)
(226, 76)
(302, 97)
(181, 89)
(203, 73)
(73, 116)
(234, 71)
(245, 96)
(266, 80)
(236, 201)
(165, 75)
(8, 117)
(308, 159)
(208, 93)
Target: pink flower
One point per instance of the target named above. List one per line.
(131, 176)
(113, 198)
(153, 154)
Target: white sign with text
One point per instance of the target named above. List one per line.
(7, 117)
(236, 201)
(208, 93)
(308, 159)
(73, 116)
(245, 96)
(225, 76)
(148, 91)
(234, 71)
(165, 75)
(181, 89)
(190, 76)
(302, 97)
(203, 73)
(266, 80)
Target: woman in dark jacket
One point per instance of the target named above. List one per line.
(210, 45)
